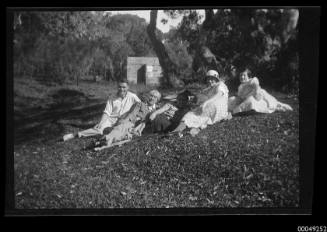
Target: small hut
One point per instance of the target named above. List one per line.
(144, 70)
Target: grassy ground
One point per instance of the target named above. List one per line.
(248, 161)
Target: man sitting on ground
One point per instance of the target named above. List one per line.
(115, 109)
(131, 124)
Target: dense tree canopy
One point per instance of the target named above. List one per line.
(70, 45)
(65, 45)
(261, 39)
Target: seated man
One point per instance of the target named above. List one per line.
(115, 109)
(131, 124)
(169, 115)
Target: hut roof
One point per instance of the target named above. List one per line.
(143, 60)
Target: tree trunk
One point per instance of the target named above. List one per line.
(203, 58)
(76, 78)
(288, 50)
(168, 67)
(111, 71)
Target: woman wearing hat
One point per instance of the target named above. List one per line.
(212, 110)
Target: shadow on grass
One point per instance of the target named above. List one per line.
(247, 113)
(67, 108)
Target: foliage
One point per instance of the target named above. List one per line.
(177, 51)
(261, 39)
(59, 46)
(67, 45)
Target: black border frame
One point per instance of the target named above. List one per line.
(309, 33)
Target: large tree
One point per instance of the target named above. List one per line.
(169, 68)
(262, 39)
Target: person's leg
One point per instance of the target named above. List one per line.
(231, 103)
(137, 130)
(97, 129)
(117, 136)
(178, 117)
(185, 122)
(107, 140)
(245, 106)
(250, 106)
(89, 132)
(119, 132)
(69, 136)
(160, 123)
(182, 126)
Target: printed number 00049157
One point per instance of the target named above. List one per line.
(312, 229)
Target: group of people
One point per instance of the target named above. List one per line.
(127, 115)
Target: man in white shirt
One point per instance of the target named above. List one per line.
(131, 124)
(115, 108)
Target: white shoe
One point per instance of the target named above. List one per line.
(68, 136)
(194, 131)
(229, 116)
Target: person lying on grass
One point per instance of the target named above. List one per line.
(131, 124)
(170, 114)
(115, 108)
(212, 110)
(251, 97)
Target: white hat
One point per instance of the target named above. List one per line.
(212, 73)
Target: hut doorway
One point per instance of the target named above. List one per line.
(141, 74)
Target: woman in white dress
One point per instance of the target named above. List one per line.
(251, 97)
(212, 110)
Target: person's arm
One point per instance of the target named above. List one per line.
(212, 92)
(201, 98)
(248, 89)
(252, 89)
(205, 90)
(108, 109)
(219, 91)
(136, 98)
(106, 114)
(104, 118)
(131, 113)
(159, 111)
(256, 88)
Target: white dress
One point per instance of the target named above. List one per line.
(251, 96)
(211, 111)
